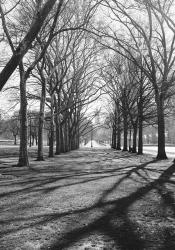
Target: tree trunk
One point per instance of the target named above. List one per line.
(15, 142)
(40, 155)
(30, 133)
(77, 136)
(58, 134)
(134, 146)
(140, 119)
(58, 149)
(125, 133)
(57, 123)
(114, 136)
(68, 134)
(130, 136)
(72, 133)
(125, 121)
(140, 140)
(62, 140)
(73, 136)
(118, 127)
(36, 140)
(33, 139)
(115, 130)
(118, 139)
(23, 151)
(161, 155)
(51, 138)
(66, 131)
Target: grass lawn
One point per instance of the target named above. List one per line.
(87, 199)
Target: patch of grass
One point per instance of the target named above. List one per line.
(99, 199)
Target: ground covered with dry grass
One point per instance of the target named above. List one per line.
(87, 199)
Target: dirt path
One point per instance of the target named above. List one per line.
(88, 199)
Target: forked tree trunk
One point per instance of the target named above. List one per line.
(23, 151)
(40, 156)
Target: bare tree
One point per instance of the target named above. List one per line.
(25, 44)
(150, 40)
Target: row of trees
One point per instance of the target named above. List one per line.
(131, 97)
(10, 130)
(142, 82)
(58, 69)
(60, 50)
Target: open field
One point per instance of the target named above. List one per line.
(88, 199)
(147, 149)
(170, 150)
(9, 150)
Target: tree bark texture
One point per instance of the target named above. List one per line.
(23, 151)
(51, 137)
(118, 127)
(125, 131)
(134, 145)
(140, 120)
(161, 130)
(40, 154)
(114, 136)
(15, 141)
(77, 134)
(140, 139)
(62, 138)
(66, 132)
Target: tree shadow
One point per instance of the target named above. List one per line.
(166, 194)
(113, 220)
(124, 234)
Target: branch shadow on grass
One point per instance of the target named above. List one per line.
(125, 234)
(166, 194)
